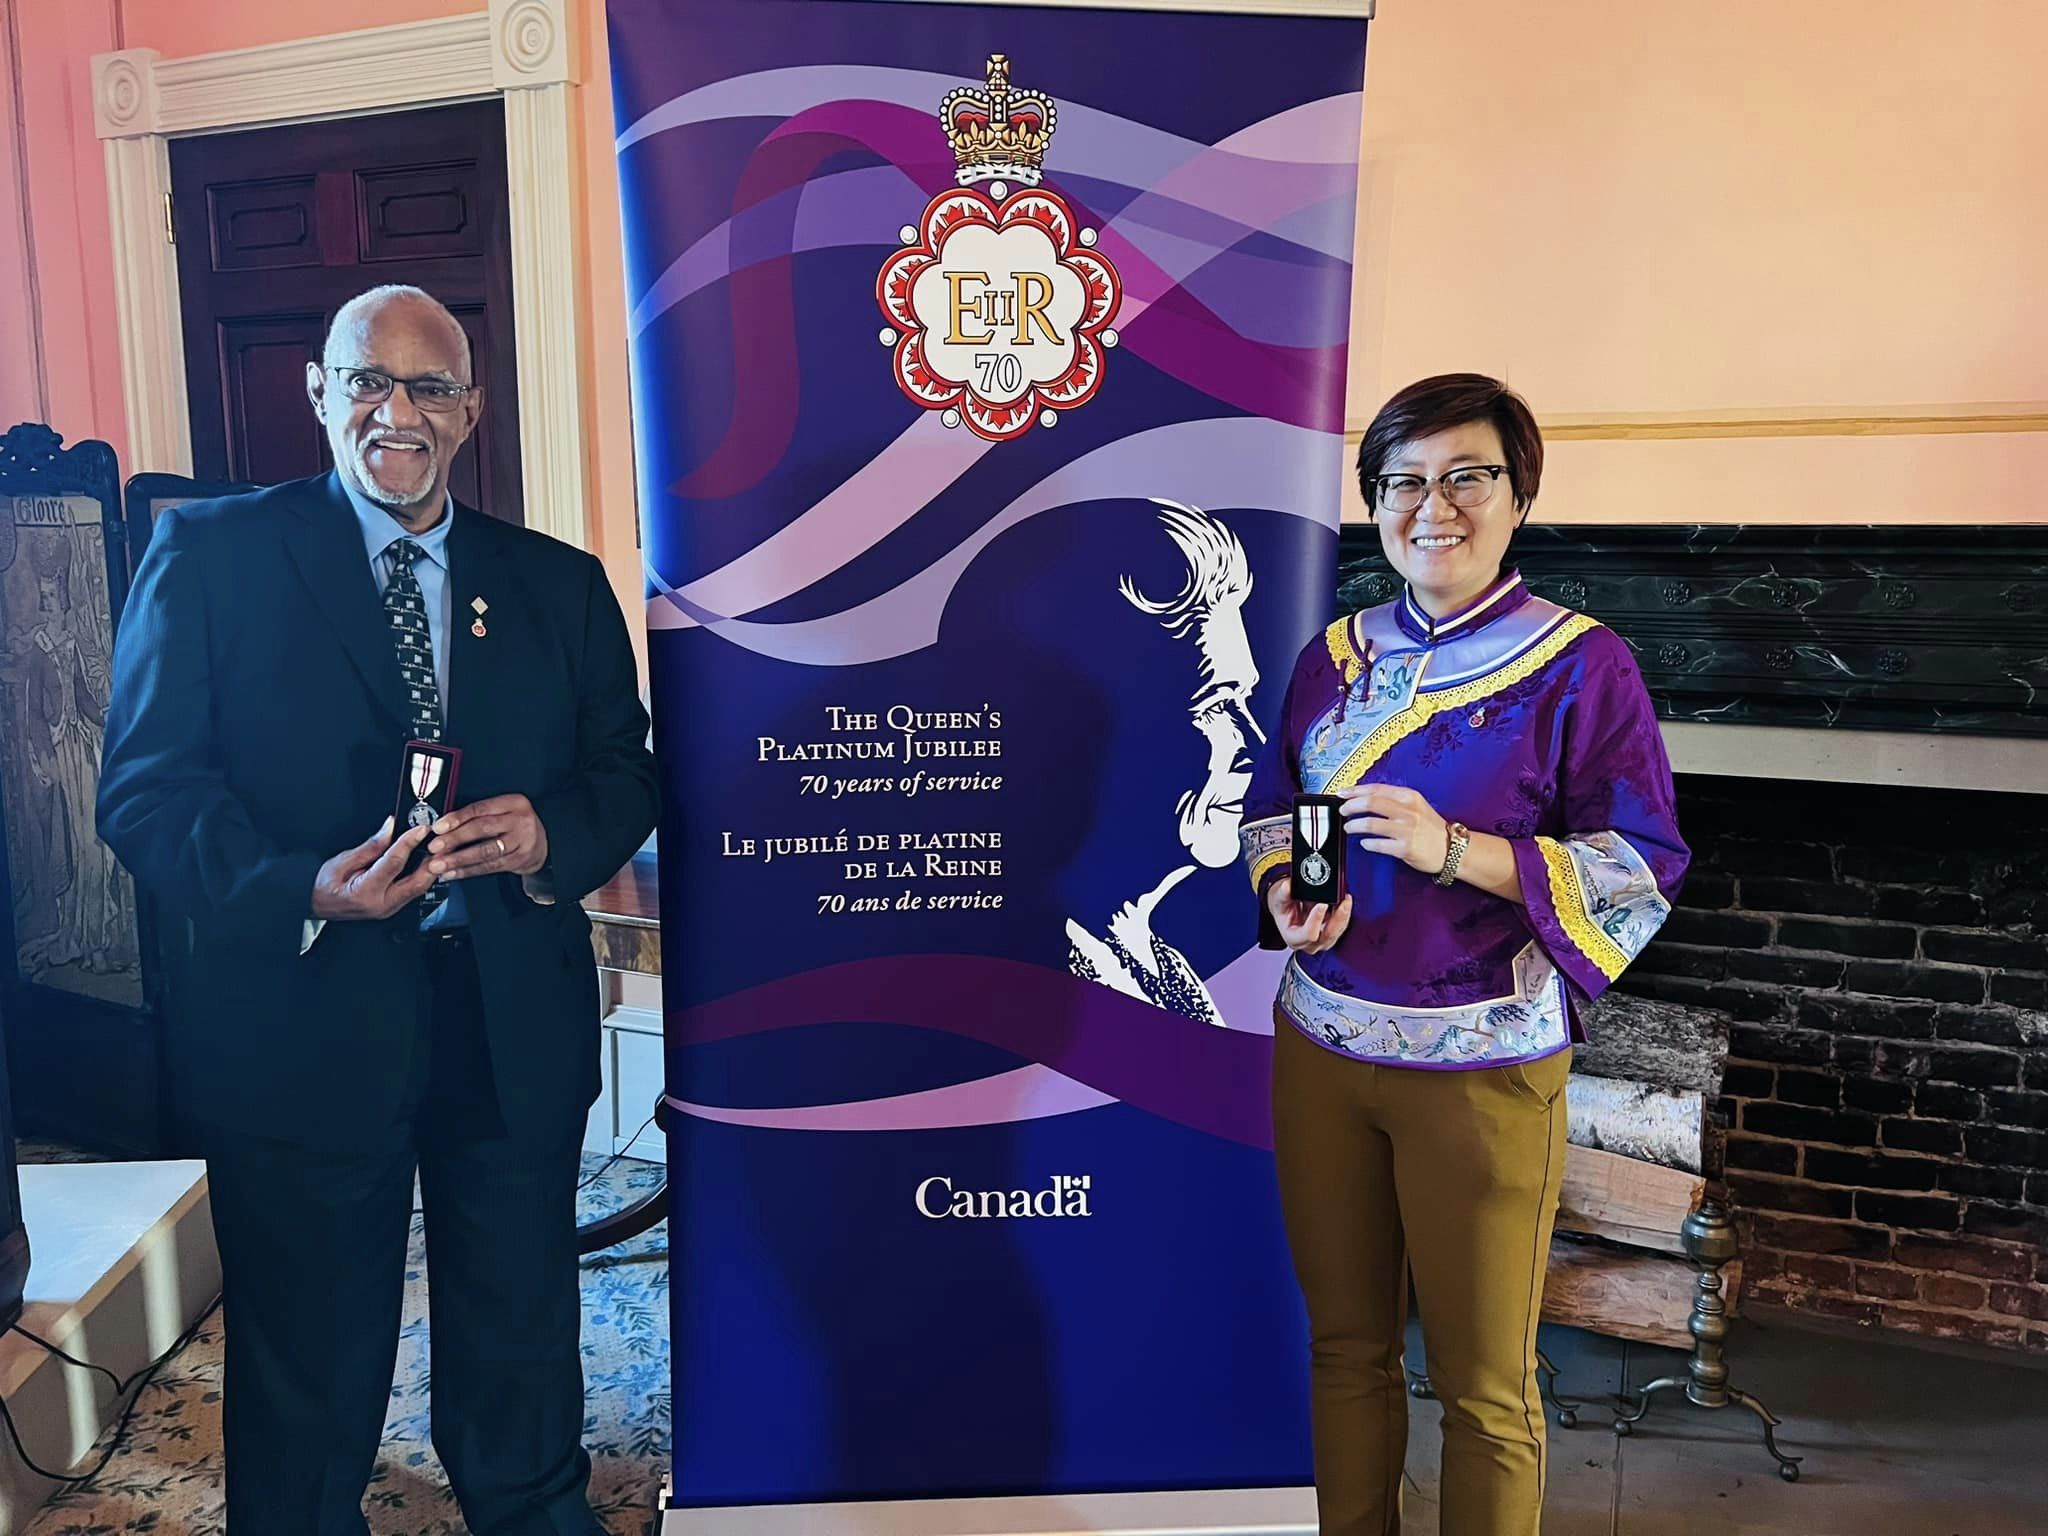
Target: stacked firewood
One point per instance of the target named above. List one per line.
(1640, 1096)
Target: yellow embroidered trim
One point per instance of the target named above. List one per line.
(1569, 900)
(1269, 863)
(1349, 663)
(1424, 707)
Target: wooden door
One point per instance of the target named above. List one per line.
(277, 228)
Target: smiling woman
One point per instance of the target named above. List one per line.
(1449, 471)
(1510, 848)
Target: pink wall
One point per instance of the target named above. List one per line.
(61, 359)
(23, 387)
(56, 264)
(1765, 260)
(73, 379)
(178, 27)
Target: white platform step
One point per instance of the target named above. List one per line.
(1219, 1512)
(633, 1072)
(121, 1262)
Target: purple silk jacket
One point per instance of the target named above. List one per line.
(1516, 717)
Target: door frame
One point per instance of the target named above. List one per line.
(522, 51)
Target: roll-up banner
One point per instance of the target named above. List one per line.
(988, 376)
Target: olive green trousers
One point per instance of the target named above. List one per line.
(1452, 1175)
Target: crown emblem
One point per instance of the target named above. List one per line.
(998, 133)
(998, 302)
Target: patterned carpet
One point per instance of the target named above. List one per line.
(166, 1478)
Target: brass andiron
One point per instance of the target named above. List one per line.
(1708, 1236)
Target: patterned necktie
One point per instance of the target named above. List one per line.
(405, 607)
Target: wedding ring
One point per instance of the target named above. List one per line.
(501, 846)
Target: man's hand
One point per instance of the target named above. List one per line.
(499, 836)
(367, 883)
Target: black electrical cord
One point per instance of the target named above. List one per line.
(148, 1373)
(143, 1377)
(120, 1386)
(611, 1162)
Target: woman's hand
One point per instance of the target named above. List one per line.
(1308, 929)
(1388, 819)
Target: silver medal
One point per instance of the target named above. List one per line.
(426, 778)
(1313, 823)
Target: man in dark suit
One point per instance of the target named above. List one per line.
(337, 1022)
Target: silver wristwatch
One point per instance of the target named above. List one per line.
(1461, 839)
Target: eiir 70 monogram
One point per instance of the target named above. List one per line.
(1016, 305)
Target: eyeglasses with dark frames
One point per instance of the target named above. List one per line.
(367, 386)
(1468, 486)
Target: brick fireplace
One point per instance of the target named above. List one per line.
(1881, 952)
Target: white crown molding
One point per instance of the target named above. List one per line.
(376, 69)
(1355, 10)
(520, 50)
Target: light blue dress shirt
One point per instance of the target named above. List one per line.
(380, 531)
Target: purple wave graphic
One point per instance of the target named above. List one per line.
(1217, 336)
(1162, 322)
(1028, 1093)
(1211, 1080)
(862, 206)
(1238, 461)
(762, 293)
(1138, 153)
(1243, 992)
(858, 513)
(1187, 242)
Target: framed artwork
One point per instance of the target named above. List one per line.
(74, 953)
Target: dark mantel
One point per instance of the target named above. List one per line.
(1880, 629)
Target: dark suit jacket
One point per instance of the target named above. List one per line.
(255, 731)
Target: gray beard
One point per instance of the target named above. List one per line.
(367, 483)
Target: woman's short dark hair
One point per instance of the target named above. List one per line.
(1451, 400)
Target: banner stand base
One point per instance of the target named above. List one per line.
(1216, 1512)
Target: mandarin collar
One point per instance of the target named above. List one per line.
(1495, 603)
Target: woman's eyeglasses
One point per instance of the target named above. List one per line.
(1468, 487)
